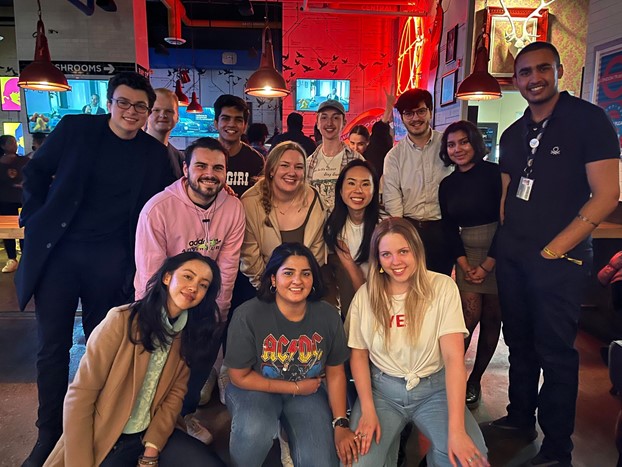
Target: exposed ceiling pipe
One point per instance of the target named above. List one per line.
(177, 14)
(359, 7)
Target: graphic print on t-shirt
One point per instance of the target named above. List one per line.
(291, 360)
(202, 246)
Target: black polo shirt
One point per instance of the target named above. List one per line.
(577, 133)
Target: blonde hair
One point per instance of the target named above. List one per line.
(420, 292)
(265, 182)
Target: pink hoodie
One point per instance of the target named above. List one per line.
(170, 224)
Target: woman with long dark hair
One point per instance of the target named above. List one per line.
(406, 333)
(350, 225)
(122, 406)
(280, 346)
(469, 200)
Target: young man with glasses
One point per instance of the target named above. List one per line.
(83, 192)
(413, 171)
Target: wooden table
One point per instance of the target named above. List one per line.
(9, 227)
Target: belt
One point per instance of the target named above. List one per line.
(421, 223)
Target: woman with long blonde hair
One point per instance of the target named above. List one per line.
(406, 332)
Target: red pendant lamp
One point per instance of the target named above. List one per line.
(194, 107)
(41, 74)
(182, 99)
(266, 81)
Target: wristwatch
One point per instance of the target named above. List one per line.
(343, 422)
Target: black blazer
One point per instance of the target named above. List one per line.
(55, 182)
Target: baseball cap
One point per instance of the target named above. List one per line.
(332, 104)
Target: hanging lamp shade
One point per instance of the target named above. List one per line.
(479, 85)
(266, 81)
(194, 107)
(41, 74)
(182, 99)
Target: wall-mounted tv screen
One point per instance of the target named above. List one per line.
(310, 93)
(45, 108)
(194, 125)
(10, 93)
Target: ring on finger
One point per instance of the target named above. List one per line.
(469, 460)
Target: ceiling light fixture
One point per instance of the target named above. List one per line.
(174, 27)
(182, 99)
(267, 81)
(194, 107)
(41, 74)
(480, 85)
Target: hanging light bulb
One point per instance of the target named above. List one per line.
(182, 99)
(267, 81)
(41, 74)
(194, 107)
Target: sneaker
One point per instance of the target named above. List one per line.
(528, 432)
(223, 380)
(473, 395)
(10, 266)
(196, 430)
(208, 388)
(286, 456)
(39, 454)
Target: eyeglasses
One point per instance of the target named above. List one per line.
(140, 107)
(422, 112)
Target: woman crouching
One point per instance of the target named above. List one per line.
(279, 347)
(122, 406)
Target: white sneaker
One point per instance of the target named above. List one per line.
(223, 380)
(286, 456)
(10, 266)
(208, 387)
(196, 430)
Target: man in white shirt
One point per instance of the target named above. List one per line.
(413, 171)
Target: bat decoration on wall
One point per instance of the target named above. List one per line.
(299, 55)
(335, 58)
(307, 68)
(344, 60)
(322, 64)
(297, 62)
(286, 57)
(362, 67)
(334, 70)
(286, 68)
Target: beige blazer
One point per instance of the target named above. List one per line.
(261, 240)
(99, 402)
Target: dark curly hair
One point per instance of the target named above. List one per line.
(473, 134)
(204, 325)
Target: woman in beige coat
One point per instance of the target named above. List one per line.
(122, 406)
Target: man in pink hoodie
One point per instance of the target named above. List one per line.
(194, 214)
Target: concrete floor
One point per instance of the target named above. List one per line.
(593, 438)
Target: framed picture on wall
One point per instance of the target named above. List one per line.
(452, 44)
(607, 90)
(448, 87)
(508, 32)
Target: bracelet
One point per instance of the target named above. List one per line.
(144, 460)
(488, 271)
(552, 254)
(297, 390)
(581, 217)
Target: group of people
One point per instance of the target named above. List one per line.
(291, 268)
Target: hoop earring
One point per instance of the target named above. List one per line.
(272, 289)
(381, 270)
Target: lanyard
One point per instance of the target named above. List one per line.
(534, 144)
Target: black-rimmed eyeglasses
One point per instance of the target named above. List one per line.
(140, 107)
(422, 112)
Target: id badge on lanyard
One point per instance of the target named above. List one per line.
(525, 185)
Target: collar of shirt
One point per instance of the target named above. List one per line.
(421, 148)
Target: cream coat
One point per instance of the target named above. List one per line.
(261, 240)
(99, 402)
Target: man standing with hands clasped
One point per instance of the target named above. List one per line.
(559, 169)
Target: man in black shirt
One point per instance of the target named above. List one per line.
(245, 164)
(559, 172)
(294, 133)
(162, 121)
(83, 192)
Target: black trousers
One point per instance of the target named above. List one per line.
(180, 449)
(11, 209)
(95, 273)
(540, 303)
(437, 255)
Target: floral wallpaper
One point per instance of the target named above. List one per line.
(567, 31)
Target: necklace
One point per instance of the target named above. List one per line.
(291, 203)
(328, 160)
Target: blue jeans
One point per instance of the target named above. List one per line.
(306, 419)
(425, 405)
